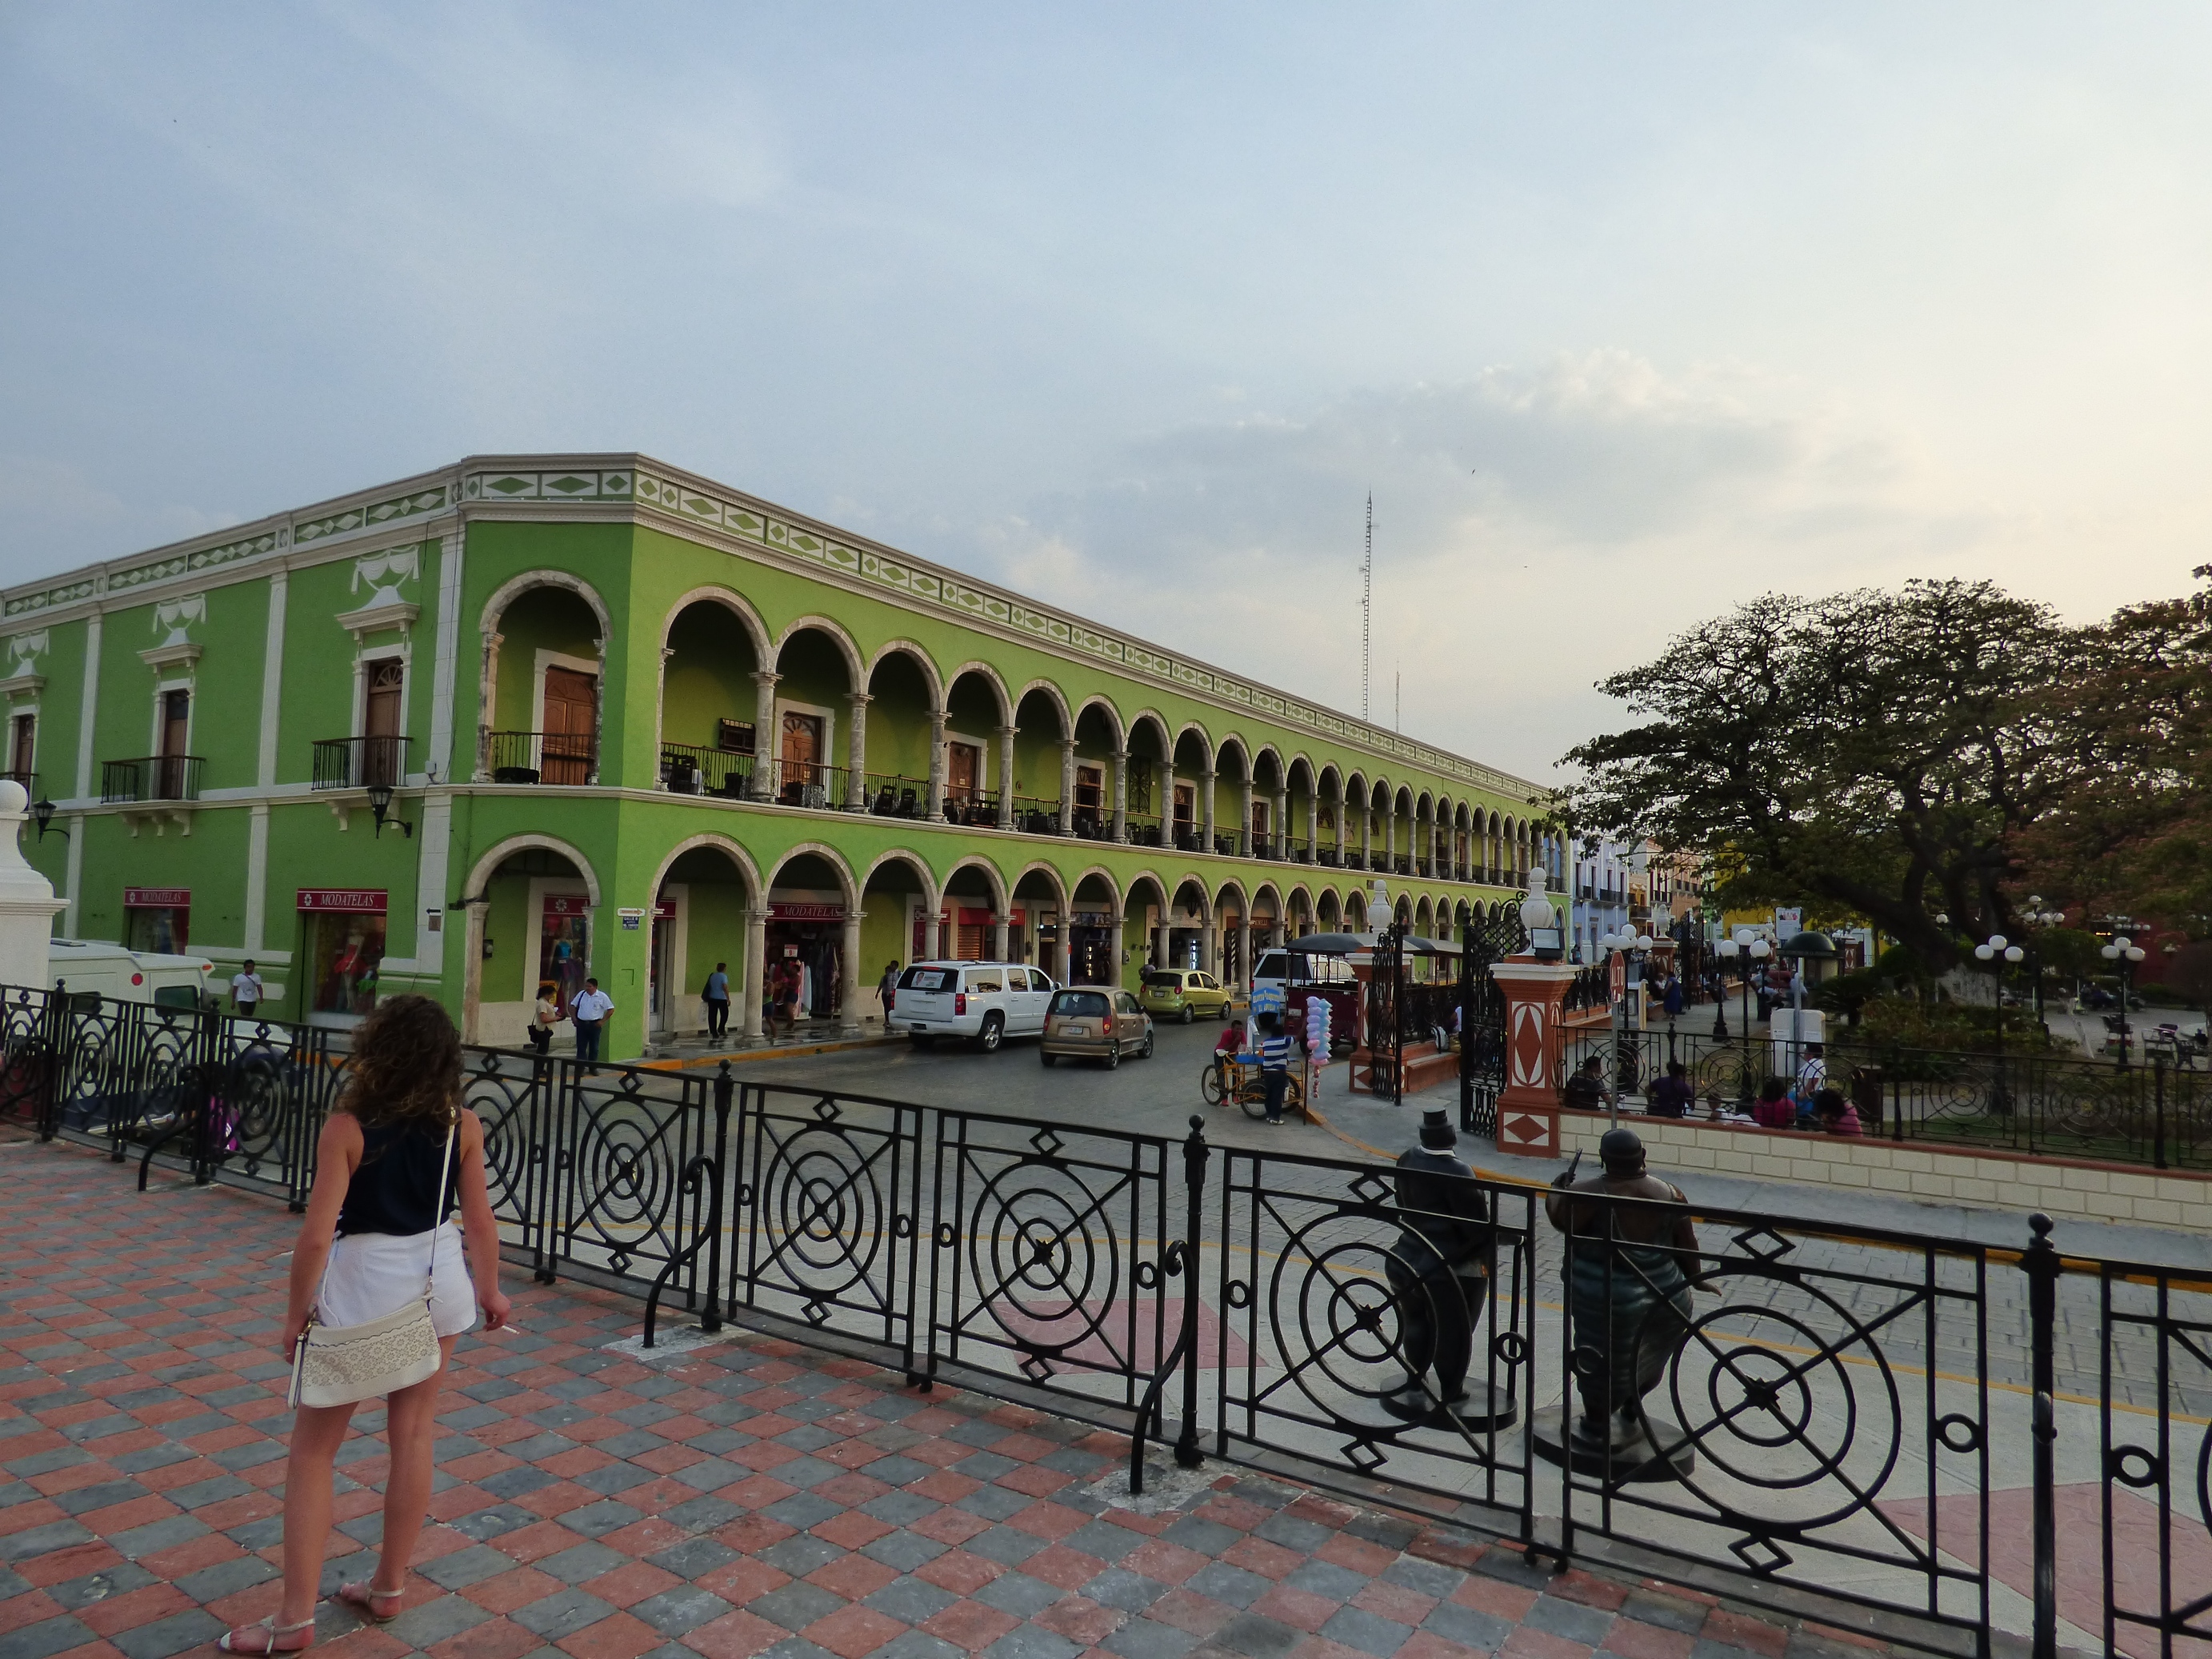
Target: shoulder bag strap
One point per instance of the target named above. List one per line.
(438, 1210)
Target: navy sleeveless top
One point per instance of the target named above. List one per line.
(396, 1184)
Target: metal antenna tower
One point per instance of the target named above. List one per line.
(1366, 602)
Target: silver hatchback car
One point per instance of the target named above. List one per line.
(1095, 1022)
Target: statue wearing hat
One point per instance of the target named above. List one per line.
(1439, 1271)
(1628, 1289)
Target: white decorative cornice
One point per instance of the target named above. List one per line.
(618, 486)
(375, 619)
(170, 656)
(16, 686)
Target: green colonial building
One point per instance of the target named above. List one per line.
(531, 717)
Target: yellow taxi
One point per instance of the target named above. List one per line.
(1183, 994)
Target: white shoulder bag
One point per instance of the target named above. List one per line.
(339, 1364)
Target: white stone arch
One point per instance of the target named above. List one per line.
(856, 676)
(932, 895)
(641, 1017)
(1159, 722)
(1231, 740)
(1100, 701)
(1423, 913)
(472, 929)
(487, 681)
(828, 855)
(731, 601)
(1229, 886)
(1269, 751)
(901, 647)
(1055, 695)
(1194, 879)
(998, 684)
(748, 619)
(992, 876)
(1116, 896)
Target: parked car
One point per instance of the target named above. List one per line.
(1096, 1023)
(1183, 994)
(983, 1002)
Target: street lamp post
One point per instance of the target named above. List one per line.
(2124, 953)
(1632, 947)
(2039, 918)
(1997, 952)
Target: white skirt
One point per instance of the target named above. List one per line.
(373, 1274)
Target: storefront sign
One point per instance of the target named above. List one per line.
(157, 898)
(359, 901)
(805, 912)
(630, 918)
(567, 904)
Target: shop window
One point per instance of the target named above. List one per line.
(1186, 803)
(157, 920)
(344, 949)
(22, 748)
(734, 737)
(564, 946)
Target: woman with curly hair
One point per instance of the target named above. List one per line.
(369, 1234)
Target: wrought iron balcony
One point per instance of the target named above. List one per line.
(690, 770)
(557, 757)
(358, 762)
(151, 777)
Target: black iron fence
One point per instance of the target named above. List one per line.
(2027, 1100)
(1838, 1422)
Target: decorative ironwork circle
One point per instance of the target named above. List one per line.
(1809, 1409)
(2136, 1466)
(1237, 1293)
(1959, 1432)
(1045, 1255)
(822, 1204)
(1510, 1347)
(1147, 1275)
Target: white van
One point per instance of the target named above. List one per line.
(984, 1002)
(84, 966)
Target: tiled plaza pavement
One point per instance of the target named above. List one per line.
(751, 1498)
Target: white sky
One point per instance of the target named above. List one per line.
(1625, 314)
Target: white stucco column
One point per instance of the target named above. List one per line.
(1209, 951)
(1066, 785)
(1390, 836)
(936, 813)
(1366, 836)
(28, 904)
(1119, 835)
(1114, 948)
(856, 751)
(1280, 829)
(1244, 817)
(933, 931)
(755, 976)
(764, 747)
(1313, 829)
(1205, 813)
(848, 991)
(1000, 923)
(1165, 804)
(1006, 776)
(1063, 964)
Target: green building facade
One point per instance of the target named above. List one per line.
(534, 717)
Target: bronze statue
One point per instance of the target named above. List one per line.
(1629, 1299)
(1439, 1270)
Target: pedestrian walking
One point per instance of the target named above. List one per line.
(716, 996)
(543, 1018)
(588, 1012)
(887, 988)
(1274, 1064)
(246, 990)
(395, 1156)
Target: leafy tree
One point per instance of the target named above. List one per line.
(2133, 834)
(1875, 751)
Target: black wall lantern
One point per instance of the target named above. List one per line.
(379, 804)
(42, 814)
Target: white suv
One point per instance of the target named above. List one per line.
(985, 1002)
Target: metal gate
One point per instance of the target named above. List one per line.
(1484, 940)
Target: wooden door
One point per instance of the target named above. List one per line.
(23, 748)
(381, 758)
(176, 739)
(963, 771)
(801, 752)
(571, 730)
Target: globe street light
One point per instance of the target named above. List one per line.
(1632, 947)
(1996, 952)
(2038, 917)
(2124, 953)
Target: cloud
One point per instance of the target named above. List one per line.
(47, 504)
(1579, 509)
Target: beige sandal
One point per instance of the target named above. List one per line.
(271, 1633)
(363, 1597)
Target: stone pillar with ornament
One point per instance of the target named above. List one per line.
(27, 904)
(1535, 1050)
